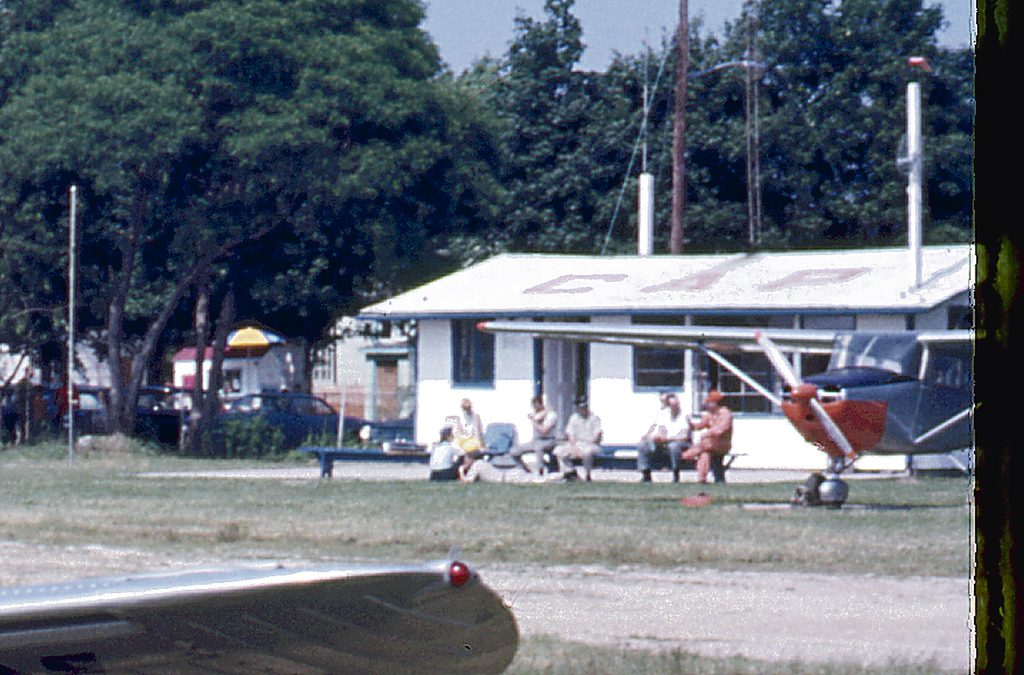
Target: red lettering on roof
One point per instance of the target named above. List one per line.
(558, 285)
(815, 278)
(701, 281)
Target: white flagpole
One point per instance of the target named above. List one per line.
(72, 250)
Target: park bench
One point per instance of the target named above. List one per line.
(327, 456)
(614, 456)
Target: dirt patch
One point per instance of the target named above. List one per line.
(767, 616)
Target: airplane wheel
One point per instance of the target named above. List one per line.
(809, 494)
(833, 492)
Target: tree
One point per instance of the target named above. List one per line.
(833, 113)
(561, 167)
(304, 154)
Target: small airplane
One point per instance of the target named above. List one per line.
(358, 619)
(893, 393)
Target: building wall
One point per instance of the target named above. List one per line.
(761, 441)
(881, 322)
(436, 397)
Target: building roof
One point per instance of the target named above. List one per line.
(864, 280)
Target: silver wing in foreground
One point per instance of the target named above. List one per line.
(437, 618)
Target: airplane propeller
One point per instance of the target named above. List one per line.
(802, 390)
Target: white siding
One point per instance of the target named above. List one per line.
(881, 322)
(436, 398)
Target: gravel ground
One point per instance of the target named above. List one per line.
(766, 616)
(769, 616)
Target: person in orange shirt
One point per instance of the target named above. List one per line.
(717, 437)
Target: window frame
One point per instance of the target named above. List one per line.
(473, 354)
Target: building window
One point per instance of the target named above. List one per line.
(740, 397)
(472, 354)
(662, 369)
(658, 368)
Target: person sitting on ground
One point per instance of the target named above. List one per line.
(544, 421)
(583, 433)
(467, 435)
(445, 458)
(670, 433)
(716, 440)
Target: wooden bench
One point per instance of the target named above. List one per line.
(327, 456)
(614, 457)
(624, 457)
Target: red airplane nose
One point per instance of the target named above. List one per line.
(803, 393)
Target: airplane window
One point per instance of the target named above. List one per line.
(897, 353)
(948, 370)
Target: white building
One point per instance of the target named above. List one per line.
(847, 290)
(367, 369)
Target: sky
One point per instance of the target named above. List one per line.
(465, 30)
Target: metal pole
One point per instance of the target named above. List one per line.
(340, 440)
(69, 385)
(914, 181)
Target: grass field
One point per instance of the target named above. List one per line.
(915, 528)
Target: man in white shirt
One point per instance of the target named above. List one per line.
(544, 421)
(670, 433)
(584, 441)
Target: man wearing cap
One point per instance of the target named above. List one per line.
(670, 433)
(717, 437)
(583, 432)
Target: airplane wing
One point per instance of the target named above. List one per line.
(645, 335)
(276, 620)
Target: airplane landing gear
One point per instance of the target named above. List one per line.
(821, 490)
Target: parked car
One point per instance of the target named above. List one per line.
(91, 411)
(299, 417)
(159, 415)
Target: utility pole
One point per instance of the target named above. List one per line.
(679, 135)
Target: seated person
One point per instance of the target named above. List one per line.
(717, 438)
(467, 435)
(583, 433)
(544, 421)
(670, 433)
(445, 458)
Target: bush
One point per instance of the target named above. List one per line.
(249, 438)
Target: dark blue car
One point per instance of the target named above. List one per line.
(299, 417)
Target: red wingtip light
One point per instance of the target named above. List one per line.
(481, 326)
(458, 573)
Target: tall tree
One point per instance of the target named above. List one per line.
(833, 114)
(560, 166)
(307, 149)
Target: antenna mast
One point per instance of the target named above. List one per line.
(752, 77)
(679, 134)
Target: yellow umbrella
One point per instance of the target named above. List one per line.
(250, 337)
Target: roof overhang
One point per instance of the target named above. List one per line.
(853, 281)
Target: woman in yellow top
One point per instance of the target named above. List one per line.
(467, 435)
